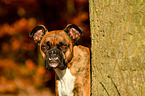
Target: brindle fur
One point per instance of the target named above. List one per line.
(80, 68)
(77, 58)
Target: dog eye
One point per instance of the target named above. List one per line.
(64, 46)
(44, 48)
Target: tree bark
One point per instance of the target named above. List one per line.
(118, 47)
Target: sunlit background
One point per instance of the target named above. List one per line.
(22, 71)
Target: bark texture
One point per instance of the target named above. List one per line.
(118, 47)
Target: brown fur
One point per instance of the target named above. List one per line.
(58, 36)
(79, 64)
(80, 68)
(77, 58)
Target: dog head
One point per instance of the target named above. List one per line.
(56, 46)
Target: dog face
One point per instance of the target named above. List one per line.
(56, 46)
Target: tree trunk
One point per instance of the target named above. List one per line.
(118, 47)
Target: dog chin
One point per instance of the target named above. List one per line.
(53, 64)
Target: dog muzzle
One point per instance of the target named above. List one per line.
(54, 59)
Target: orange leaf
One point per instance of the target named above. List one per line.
(30, 64)
(41, 70)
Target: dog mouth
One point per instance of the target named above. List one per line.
(53, 62)
(54, 65)
(54, 59)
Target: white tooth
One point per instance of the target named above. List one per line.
(53, 58)
(53, 64)
(50, 59)
(56, 58)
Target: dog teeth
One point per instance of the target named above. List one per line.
(56, 58)
(53, 64)
(49, 58)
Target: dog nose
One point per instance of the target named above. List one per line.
(53, 52)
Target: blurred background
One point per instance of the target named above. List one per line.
(22, 71)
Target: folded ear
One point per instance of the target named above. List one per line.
(37, 33)
(74, 32)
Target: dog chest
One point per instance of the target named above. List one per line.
(66, 82)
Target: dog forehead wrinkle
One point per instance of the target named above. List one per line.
(56, 40)
(57, 34)
(60, 39)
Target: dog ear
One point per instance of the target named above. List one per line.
(74, 32)
(37, 33)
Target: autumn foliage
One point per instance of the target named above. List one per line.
(20, 70)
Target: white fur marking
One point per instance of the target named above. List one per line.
(66, 82)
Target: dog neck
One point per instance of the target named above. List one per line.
(66, 82)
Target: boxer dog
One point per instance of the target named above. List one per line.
(71, 63)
